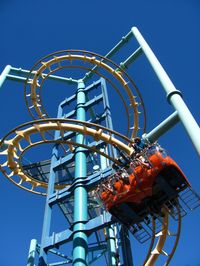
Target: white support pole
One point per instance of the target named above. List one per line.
(173, 95)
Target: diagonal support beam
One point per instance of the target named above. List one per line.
(162, 128)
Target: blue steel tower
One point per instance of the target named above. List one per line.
(85, 147)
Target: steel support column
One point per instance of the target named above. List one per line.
(173, 95)
(32, 253)
(48, 207)
(110, 229)
(80, 243)
(162, 128)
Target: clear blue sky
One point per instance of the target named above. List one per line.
(33, 29)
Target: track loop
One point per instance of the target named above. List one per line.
(83, 60)
(36, 133)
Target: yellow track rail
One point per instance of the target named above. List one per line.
(24, 139)
(57, 62)
(165, 234)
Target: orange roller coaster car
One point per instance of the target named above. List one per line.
(135, 182)
(148, 181)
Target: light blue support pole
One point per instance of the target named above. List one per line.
(131, 58)
(48, 208)
(4, 74)
(50, 191)
(23, 73)
(111, 229)
(17, 78)
(80, 244)
(32, 253)
(173, 95)
(112, 52)
(162, 128)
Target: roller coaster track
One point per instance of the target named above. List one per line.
(26, 136)
(24, 139)
(156, 248)
(118, 78)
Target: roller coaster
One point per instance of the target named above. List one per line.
(108, 184)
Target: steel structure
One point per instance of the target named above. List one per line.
(84, 147)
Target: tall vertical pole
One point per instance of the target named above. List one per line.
(50, 191)
(111, 229)
(173, 95)
(48, 209)
(80, 244)
(32, 253)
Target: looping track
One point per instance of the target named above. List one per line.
(18, 141)
(119, 80)
(25, 137)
